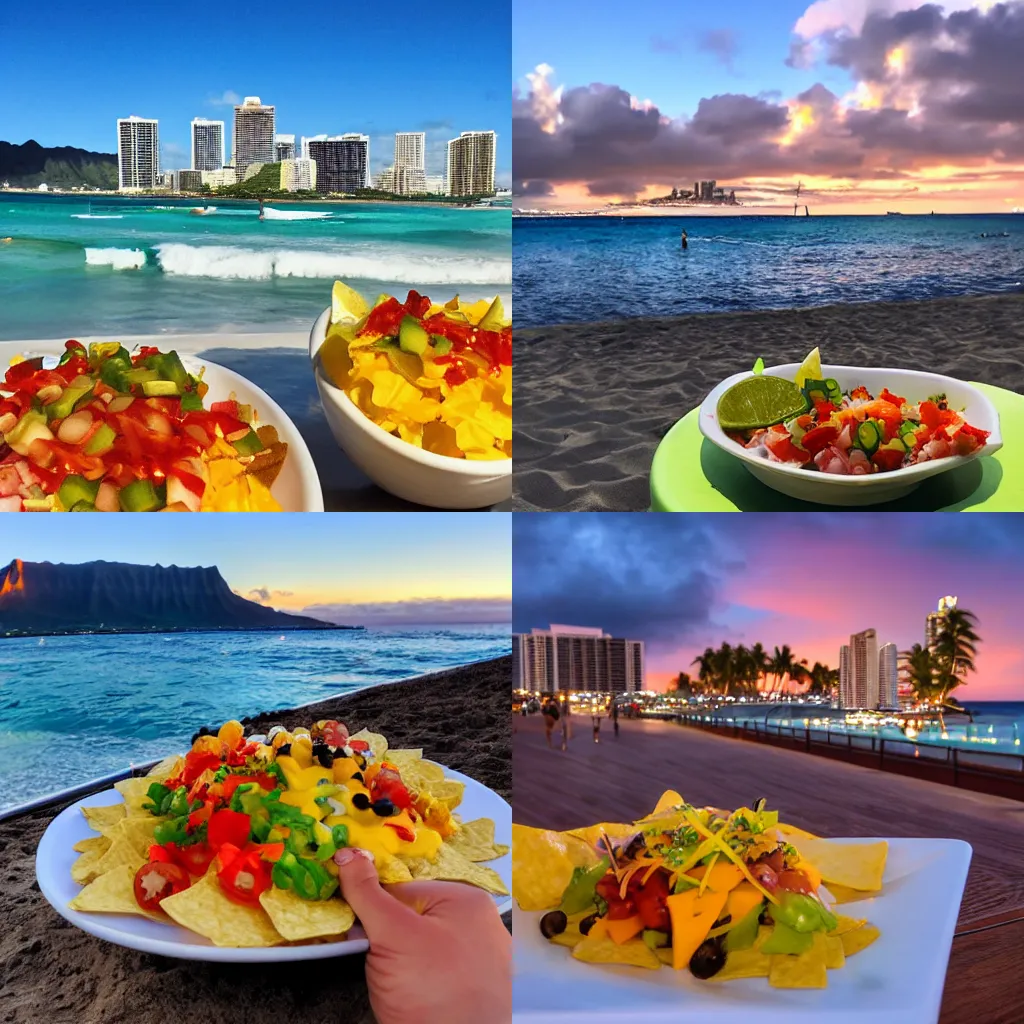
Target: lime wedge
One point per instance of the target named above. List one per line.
(810, 368)
(760, 402)
(347, 305)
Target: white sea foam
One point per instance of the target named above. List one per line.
(271, 214)
(119, 259)
(98, 216)
(262, 265)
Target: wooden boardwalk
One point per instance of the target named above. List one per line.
(620, 779)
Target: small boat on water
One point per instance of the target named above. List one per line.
(269, 213)
(203, 211)
(893, 213)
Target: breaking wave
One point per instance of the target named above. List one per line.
(119, 259)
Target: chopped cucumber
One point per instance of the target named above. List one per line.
(159, 388)
(102, 441)
(141, 496)
(76, 489)
(250, 444)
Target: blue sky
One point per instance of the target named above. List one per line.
(70, 69)
(302, 560)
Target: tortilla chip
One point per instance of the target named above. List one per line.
(120, 853)
(134, 793)
(807, 970)
(744, 963)
(572, 935)
(854, 865)
(635, 952)
(860, 938)
(446, 791)
(391, 870)
(85, 869)
(791, 832)
(475, 840)
(543, 863)
(591, 835)
(401, 757)
(100, 843)
(665, 955)
(165, 768)
(451, 866)
(204, 908)
(669, 799)
(378, 744)
(847, 924)
(297, 919)
(100, 818)
(419, 774)
(112, 893)
(266, 464)
(842, 894)
(835, 956)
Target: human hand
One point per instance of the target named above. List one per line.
(439, 953)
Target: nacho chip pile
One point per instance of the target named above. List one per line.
(235, 840)
(438, 377)
(726, 895)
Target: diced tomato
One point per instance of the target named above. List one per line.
(159, 853)
(359, 746)
(888, 459)
(650, 902)
(196, 764)
(335, 734)
(819, 438)
(195, 858)
(932, 416)
(156, 880)
(242, 875)
(823, 409)
(227, 826)
(228, 408)
(888, 396)
(782, 447)
(619, 910)
(966, 440)
(861, 392)
(795, 881)
(404, 832)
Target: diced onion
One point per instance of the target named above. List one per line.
(75, 427)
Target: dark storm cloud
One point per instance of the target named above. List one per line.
(532, 188)
(650, 577)
(721, 42)
(964, 70)
(424, 612)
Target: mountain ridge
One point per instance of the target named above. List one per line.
(56, 598)
(29, 165)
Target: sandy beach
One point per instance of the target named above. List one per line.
(621, 779)
(53, 972)
(594, 400)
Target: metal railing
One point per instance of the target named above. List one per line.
(1000, 773)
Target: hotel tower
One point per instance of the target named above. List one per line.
(138, 153)
(576, 659)
(253, 141)
(207, 144)
(409, 171)
(868, 676)
(472, 159)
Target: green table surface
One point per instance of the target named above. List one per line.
(690, 474)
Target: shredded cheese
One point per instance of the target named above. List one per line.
(727, 850)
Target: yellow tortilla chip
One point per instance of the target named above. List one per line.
(604, 950)
(112, 893)
(401, 757)
(854, 865)
(744, 963)
(391, 870)
(85, 869)
(139, 833)
(378, 743)
(134, 793)
(665, 955)
(847, 924)
(475, 840)
(204, 908)
(120, 853)
(447, 791)
(165, 769)
(572, 935)
(100, 843)
(100, 818)
(669, 799)
(543, 863)
(835, 956)
(591, 835)
(451, 866)
(843, 894)
(297, 919)
(807, 970)
(860, 938)
(791, 832)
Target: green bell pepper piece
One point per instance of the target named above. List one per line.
(784, 939)
(191, 402)
(654, 939)
(743, 934)
(581, 890)
(102, 441)
(248, 445)
(65, 404)
(141, 496)
(76, 488)
(802, 913)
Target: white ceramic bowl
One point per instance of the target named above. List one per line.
(297, 487)
(401, 468)
(869, 489)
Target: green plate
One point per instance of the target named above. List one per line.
(690, 474)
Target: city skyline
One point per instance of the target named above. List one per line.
(898, 105)
(172, 80)
(809, 581)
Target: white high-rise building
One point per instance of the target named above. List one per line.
(342, 162)
(284, 147)
(472, 160)
(936, 622)
(306, 140)
(138, 153)
(253, 140)
(410, 176)
(298, 175)
(207, 144)
(578, 659)
(888, 678)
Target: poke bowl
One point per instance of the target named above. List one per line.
(407, 470)
(839, 486)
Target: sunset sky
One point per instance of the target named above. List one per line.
(420, 567)
(873, 105)
(685, 582)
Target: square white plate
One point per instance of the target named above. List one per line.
(896, 980)
(55, 855)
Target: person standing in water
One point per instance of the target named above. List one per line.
(685, 244)
(261, 208)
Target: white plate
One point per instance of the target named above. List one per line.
(297, 487)
(896, 980)
(871, 488)
(55, 856)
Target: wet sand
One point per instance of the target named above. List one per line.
(594, 400)
(51, 972)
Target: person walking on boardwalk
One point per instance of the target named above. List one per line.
(550, 717)
(565, 727)
(615, 718)
(596, 719)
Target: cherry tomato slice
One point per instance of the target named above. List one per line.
(157, 880)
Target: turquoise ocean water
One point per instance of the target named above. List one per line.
(594, 269)
(75, 708)
(75, 266)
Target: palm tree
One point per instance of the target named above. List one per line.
(780, 665)
(705, 669)
(683, 685)
(758, 664)
(922, 672)
(823, 679)
(956, 649)
(724, 667)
